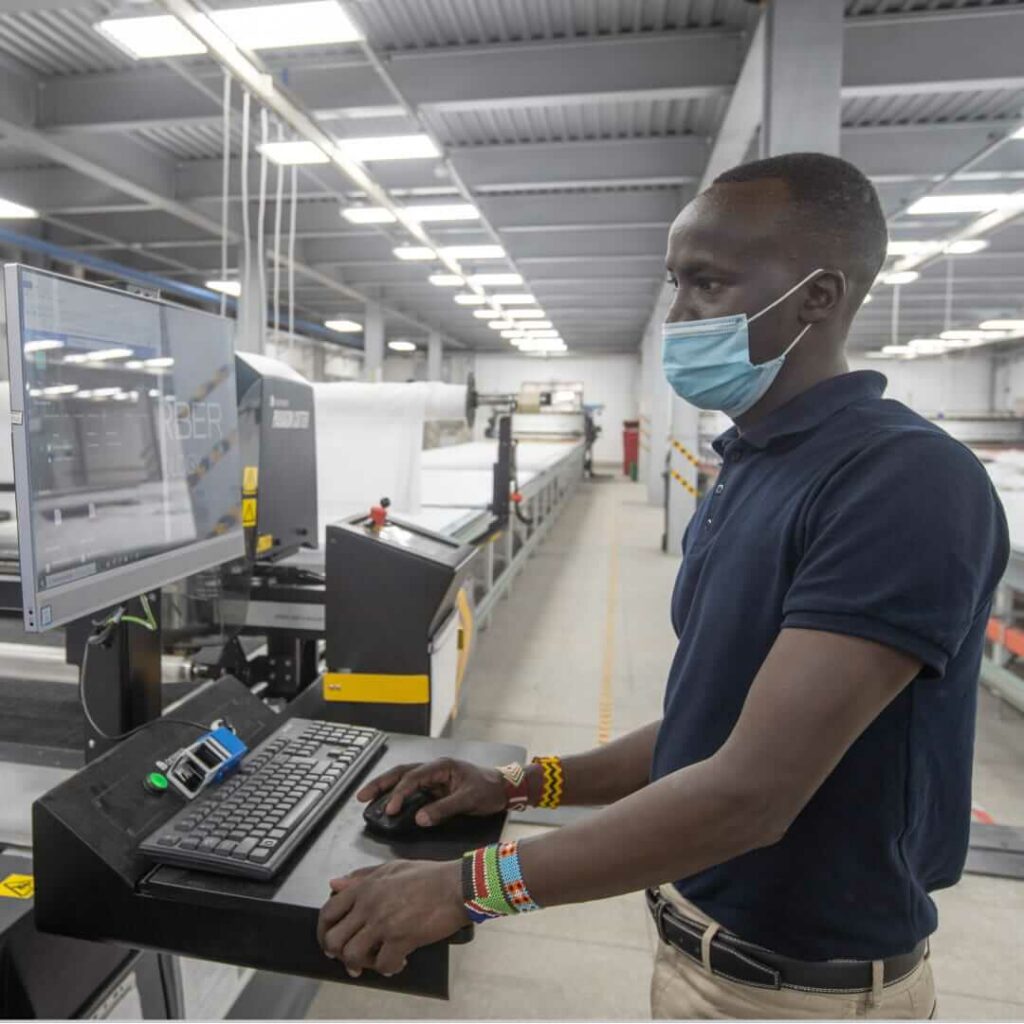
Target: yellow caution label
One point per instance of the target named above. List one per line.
(250, 479)
(248, 511)
(374, 688)
(17, 887)
(264, 542)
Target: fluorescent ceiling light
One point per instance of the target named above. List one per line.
(100, 355)
(159, 363)
(143, 38)
(965, 247)
(907, 247)
(60, 389)
(515, 299)
(485, 314)
(15, 211)
(501, 325)
(343, 326)
(414, 252)
(879, 355)
(227, 287)
(470, 299)
(389, 147)
(496, 279)
(278, 26)
(550, 332)
(970, 335)
(368, 215)
(977, 203)
(41, 345)
(526, 314)
(153, 392)
(298, 152)
(105, 392)
(929, 346)
(134, 364)
(446, 280)
(474, 252)
(542, 346)
(897, 350)
(901, 277)
(985, 325)
(514, 333)
(401, 346)
(443, 212)
(534, 325)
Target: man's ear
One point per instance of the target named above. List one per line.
(824, 295)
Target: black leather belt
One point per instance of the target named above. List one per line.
(744, 962)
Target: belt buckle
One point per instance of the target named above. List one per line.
(658, 906)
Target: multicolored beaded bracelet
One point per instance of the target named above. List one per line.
(554, 781)
(492, 883)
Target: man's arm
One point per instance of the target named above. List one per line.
(604, 774)
(815, 693)
(813, 696)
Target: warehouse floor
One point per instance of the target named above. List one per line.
(581, 649)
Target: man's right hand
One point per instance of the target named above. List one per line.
(459, 788)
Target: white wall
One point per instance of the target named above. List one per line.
(951, 384)
(1009, 389)
(610, 380)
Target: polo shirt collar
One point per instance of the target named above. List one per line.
(809, 409)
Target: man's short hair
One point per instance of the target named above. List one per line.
(833, 200)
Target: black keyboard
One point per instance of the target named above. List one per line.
(251, 822)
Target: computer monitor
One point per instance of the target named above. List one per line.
(125, 435)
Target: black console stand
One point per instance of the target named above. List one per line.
(122, 674)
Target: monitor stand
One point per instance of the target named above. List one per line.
(122, 675)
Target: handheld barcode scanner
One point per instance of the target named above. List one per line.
(209, 760)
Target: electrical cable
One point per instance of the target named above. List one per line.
(225, 188)
(244, 275)
(291, 258)
(261, 229)
(279, 195)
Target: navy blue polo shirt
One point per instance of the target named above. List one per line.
(848, 513)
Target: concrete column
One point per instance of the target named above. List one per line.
(373, 343)
(803, 71)
(683, 448)
(660, 409)
(319, 361)
(434, 351)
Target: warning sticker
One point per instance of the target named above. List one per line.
(248, 511)
(250, 479)
(17, 887)
(264, 543)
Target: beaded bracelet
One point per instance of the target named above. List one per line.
(492, 883)
(554, 781)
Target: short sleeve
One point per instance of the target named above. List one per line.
(903, 545)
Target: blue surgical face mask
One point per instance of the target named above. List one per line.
(707, 362)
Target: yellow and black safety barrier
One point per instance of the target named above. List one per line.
(685, 452)
(680, 479)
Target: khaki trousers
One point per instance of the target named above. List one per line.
(683, 989)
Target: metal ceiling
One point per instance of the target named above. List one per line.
(578, 126)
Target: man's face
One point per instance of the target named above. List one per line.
(731, 251)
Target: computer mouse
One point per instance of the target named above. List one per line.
(392, 826)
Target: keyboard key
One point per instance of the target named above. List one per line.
(209, 843)
(188, 843)
(259, 855)
(268, 844)
(169, 840)
(226, 847)
(278, 833)
(239, 834)
(244, 848)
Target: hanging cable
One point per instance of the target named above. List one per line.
(949, 293)
(261, 226)
(225, 187)
(291, 258)
(276, 253)
(245, 275)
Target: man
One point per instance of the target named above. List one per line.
(809, 783)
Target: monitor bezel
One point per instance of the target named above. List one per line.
(60, 605)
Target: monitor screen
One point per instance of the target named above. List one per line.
(125, 428)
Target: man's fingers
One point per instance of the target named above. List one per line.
(443, 809)
(331, 913)
(338, 937)
(339, 884)
(359, 951)
(438, 773)
(382, 783)
(391, 959)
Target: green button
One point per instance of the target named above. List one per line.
(156, 781)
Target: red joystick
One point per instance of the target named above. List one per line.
(516, 497)
(379, 513)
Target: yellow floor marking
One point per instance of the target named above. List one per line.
(606, 701)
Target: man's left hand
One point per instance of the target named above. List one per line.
(377, 916)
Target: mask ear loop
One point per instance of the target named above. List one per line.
(782, 298)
